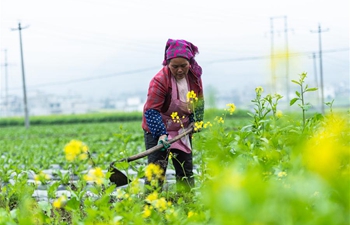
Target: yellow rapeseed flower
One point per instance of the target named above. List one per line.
(153, 170)
(173, 115)
(259, 90)
(152, 197)
(75, 149)
(160, 204)
(191, 95)
(219, 119)
(279, 114)
(95, 175)
(207, 124)
(231, 108)
(190, 214)
(198, 125)
(58, 203)
(83, 156)
(282, 174)
(41, 177)
(326, 149)
(147, 211)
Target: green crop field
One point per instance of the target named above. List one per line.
(267, 167)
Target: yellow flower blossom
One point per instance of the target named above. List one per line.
(282, 174)
(153, 170)
(95, 175)
(76, 149)
(190, 214)
(58, 203)
(161, 204)
(152, 197)
(219, 119)
(41, 177)
(279, 114)
(207, 124)
(198, 125)
(325, 150)
(259, 90)
(147, 211)
(231, 108)
(191, 95)
(175, 117)
(83, 156)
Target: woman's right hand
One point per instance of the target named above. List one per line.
(164, 141)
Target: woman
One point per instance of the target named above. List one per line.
(167, 94)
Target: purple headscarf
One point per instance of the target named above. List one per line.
(184, 49)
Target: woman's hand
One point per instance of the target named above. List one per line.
(164, 141)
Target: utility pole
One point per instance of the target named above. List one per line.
(315, 74)
(23, 77)
(319, 31)
(315, 68)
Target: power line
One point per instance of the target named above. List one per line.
(251, 58)
(93, 78)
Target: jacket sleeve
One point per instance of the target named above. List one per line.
(156, 98)
(155, 123)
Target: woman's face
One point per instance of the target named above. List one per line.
(179, 67)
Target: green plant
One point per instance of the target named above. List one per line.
(300, 95)
(330, 105)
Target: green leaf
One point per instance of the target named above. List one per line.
(51, 192)
(293, 101)
(121, 165)
(294, 81)
(311, 89)
(264, 140)
(248, 127)
(250, 114)
(72, 204)
(297, 93)
(180, 200)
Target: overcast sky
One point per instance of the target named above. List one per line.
(103, 48)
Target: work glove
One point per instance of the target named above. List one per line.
(163, 140)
